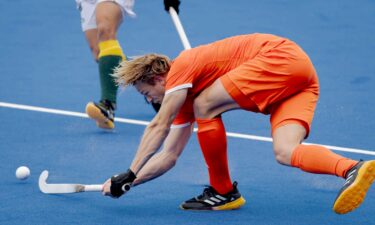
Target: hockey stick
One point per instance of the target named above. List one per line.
(64, 188)
(180, 29)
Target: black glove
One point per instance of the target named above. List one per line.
(121, 183)
(172, 3)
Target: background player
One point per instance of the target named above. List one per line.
(100, 20)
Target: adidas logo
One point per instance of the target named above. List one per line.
(217, 199)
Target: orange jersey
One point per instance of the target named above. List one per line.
(197, 68)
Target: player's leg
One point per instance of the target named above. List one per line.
(108, 16)
(88, 24)
(291, 124)
(97, 111)
(289, 151)
(211, 133)
(92, 40)
(222, 194)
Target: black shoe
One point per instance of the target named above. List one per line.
(102, 113)
(358, 180)
(211, 200)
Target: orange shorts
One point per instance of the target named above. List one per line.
(280, 80)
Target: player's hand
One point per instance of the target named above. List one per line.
(106, 191)
(172, 3)
(119, 184)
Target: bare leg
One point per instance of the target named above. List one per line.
(285, 140)
(108, 19)
(92, 39)
(213, 101)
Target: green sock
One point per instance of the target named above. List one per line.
(110, 56)
(108, 86)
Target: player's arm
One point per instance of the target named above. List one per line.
(153, 137)
(165, 159)
(157, 131)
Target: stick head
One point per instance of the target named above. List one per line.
(57, 188)
(43, 181)
(64, 188)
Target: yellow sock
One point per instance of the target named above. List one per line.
(110, 47)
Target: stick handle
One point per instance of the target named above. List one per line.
(180, 29)
(93, 187)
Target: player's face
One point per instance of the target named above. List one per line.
(153, 93)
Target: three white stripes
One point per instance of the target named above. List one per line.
(217, 199)
(349, 177)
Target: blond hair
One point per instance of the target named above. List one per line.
(143, 69)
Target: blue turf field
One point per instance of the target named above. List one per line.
(45, 62)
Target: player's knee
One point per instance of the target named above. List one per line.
(106, 31)
(283, 153)
(201, 108)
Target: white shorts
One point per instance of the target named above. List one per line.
(87, 10)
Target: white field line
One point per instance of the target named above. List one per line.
(145, 123)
